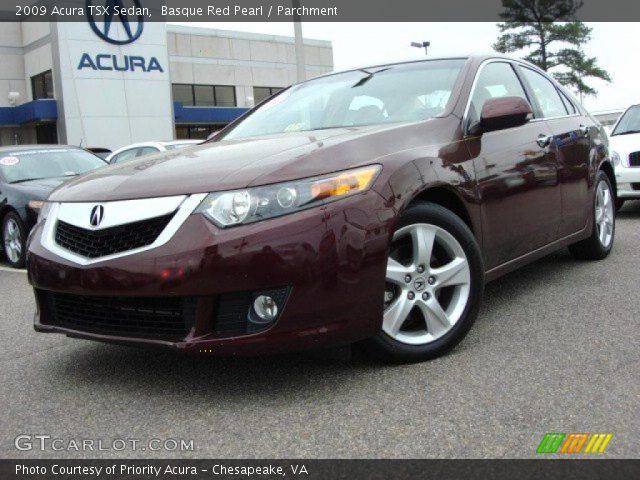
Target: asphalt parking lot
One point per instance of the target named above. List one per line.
(555, 349)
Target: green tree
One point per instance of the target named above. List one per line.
(553, 38)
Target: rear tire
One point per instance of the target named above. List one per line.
(435, 283)
(14, 240)
(600, 242)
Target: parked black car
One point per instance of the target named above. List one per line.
(28, 174)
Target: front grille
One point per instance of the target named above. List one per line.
(168, 318)
(635, 186)
(99, 243)
(634, 159)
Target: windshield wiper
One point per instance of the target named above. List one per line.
(625, 132)
(27, 180)
(369, 76)
(44, 178)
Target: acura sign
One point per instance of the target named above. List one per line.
(101, 19)
(126, 63)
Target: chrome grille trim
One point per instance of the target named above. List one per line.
(186, 206)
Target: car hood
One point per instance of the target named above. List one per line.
(41, 188)
(625, 144)
(233, 164)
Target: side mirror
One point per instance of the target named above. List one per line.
(504, 112)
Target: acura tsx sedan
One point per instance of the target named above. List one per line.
(368, 207)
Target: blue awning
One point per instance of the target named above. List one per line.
(34, 111)
(206, 114)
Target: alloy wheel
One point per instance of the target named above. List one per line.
(12, 240)
(604, 214)
(428, 284)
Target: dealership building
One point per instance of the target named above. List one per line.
(85, 84)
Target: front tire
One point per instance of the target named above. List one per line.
(600, 242)
(434, 287)
(14, 239)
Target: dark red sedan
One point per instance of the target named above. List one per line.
(370, 205)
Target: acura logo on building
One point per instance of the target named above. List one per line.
(101, 19)
(97, 214)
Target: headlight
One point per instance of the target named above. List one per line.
(41, 207)
(36, 204)
(237, 207)
(615, 158)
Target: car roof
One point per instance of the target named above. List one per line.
(40, 146)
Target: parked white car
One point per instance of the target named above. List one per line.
(138, 150)
(625, 153)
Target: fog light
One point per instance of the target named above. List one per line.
(266, 308)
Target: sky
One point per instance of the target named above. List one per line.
(359, 44)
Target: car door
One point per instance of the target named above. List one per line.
(571, 132)
(516, 173)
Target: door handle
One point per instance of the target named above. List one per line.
(584, 130)
(544, 140)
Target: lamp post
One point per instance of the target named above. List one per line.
(424, 45)
(299, 43)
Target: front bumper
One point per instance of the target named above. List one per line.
(330, 260)
(627, 178)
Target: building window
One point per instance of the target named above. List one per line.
(261, 93)
(225, 96)
(42, 85)
(183, 94)
(204, 95)
(195, 132)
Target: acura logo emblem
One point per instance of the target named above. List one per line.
(97, 214)
(100, 18)
(419, 284)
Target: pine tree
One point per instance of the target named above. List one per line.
(540, 25)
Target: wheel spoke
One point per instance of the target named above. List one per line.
(422, 238)
(606, 198)
(599, 214)
(602, 234)
(600, 200)
(456, 272)
(396, 272)
(396, 314)
(436, 318)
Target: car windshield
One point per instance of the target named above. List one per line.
(377, 95)
(629, 123)
(22, 165)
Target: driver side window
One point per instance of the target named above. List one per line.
(496, 79)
